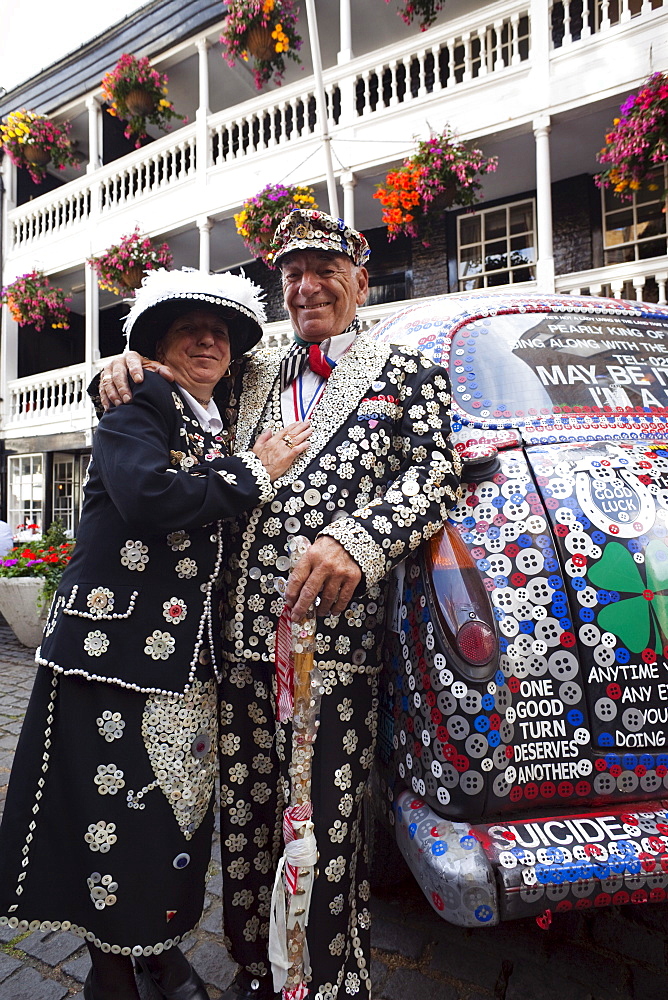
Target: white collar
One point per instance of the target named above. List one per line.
(334, 347)
(208, 416)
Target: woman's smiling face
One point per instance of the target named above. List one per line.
(197, 349)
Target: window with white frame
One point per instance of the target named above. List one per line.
(496, 246)
(636, 229)
(65, 489)
(25, 503)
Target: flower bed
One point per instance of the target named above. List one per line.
(46, 557)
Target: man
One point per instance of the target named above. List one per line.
(376, 481)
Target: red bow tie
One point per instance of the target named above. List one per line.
(318, 363)
(298, 357)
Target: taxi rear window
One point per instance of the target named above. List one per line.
(524, 367)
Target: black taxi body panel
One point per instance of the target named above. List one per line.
(568, 531)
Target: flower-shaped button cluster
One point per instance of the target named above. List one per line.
(186, 569)
(101, 601)
(103, 890)
(101, 836)
(96, 643)
(159, 645)
(174, 610)
(109, 779)
(134, 555)
(110, 725)
(178, 541)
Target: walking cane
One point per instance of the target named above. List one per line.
(299, 694)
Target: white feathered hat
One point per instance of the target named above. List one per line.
(166, 295)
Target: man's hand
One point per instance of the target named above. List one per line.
(114, 384)
(327, 571)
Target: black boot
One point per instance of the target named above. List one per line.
(246, 986)
(192, 988)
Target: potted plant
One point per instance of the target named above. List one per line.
(637, 143)
(32, 141)
(137, 94)
(29, 577)
(33, 299)
(423, 11)
(260, 215)
(265, 30)
(442, 173)
(121, 268)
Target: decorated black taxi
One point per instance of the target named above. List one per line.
(524, 715)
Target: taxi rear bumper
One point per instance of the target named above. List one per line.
(477, 875)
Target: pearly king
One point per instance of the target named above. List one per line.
(299, 690)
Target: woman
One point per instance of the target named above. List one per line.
(109, 814)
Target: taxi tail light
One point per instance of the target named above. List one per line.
(476, 642)
(463, 608)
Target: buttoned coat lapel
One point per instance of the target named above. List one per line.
(354, 373)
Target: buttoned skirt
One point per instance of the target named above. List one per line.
(108, 820)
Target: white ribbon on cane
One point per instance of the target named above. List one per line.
(302, 853)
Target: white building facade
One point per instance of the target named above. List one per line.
(534, 82)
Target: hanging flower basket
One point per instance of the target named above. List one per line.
(36, 155)
(140, 102)
(260, 215)
(137, 94)
(259, 42)
(120, 269)
(33, 299)
(637, 144)
(133, 277)
(424, 12)
(264, 30)
(444, 172)
(31, 141)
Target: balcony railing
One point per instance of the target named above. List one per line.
(448, 57)
(643, 280)
(251, 130)
(573, 20)
(155, 168)
(459, 57)
(160, 168)
(491, 42)
(52, 402)
(56, 401)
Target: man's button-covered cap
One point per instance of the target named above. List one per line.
(310, 229)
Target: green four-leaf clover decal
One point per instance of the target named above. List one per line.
(636, 621)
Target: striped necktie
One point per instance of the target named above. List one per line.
(301, 356)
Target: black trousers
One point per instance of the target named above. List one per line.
(255, 755)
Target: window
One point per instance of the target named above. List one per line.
(64, 485)
(26, 491)
(635, 230)
(496, 246)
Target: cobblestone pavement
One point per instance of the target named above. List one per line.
(614, 954)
